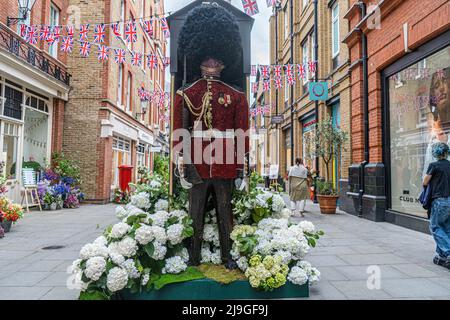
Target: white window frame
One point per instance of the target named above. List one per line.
(335, 25)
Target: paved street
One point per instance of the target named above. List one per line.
(343, 255)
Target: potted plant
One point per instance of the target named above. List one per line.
(327, 143)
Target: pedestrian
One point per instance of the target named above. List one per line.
(438, 178)
(298, 186)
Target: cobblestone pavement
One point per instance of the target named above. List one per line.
(350, 248)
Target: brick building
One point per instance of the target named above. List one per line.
(34, 89)
(292, 41)
(400, 103)
(105, 124)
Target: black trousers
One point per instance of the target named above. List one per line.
(222, 190)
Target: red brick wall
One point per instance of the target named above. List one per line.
(426, 19)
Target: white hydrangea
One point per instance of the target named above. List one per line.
(127, 247)
(101, 241)
(242, 263)
(174, 265)
(95, 267)
(278, 203)
(159, 252)
(141, 200)
(91, 250)
(117, 279)
(183, 254)
(131, 269)
(160, 234)
(121, 213)
(307, 226)
(119, 230)
(144, 234)
(297, 276)
(161, 205)
(159, 218)
(174, 233)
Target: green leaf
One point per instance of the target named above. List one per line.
(93, 295)
(189, 274)
(149, 249)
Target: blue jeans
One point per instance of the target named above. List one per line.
(440, 225)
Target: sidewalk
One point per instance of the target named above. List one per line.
(350, 246)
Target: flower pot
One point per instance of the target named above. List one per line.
(328, 204)
(6, 225)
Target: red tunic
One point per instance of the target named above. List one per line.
(223, 154)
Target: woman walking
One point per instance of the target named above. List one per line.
(438, 178)
(298, 186)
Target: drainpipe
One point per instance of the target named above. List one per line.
(292, 87)
(362, 190)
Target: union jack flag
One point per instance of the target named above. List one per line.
(84, 30)
(45, 33)
(32, 36)
(289, 70)
(265, 72)
(272, 3)
(85, 49)
(301, 71)
(312, 66)
(254, 87)
(70, 31)
(99, 33)
(165, 28)
(290, 80)
(254, 71)
(148, 27)
(152, 61)
(266, 85)
(278, 83)
(250, 7)
(103, 53)
(136, 59)
(120, 55)
(130, 32)
(277, 71)
(116, 30)
(67, 44)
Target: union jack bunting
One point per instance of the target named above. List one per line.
(103, 53)
(32, 35)
(136, 59)
(45, 33)
(312, 67)
(277, 71)
(254, 71)
(152, 61)
(289, 70)
(250, 7)
(272, 3)
(290, 80)
(130, 32)
(120, 56)
(266, 85)
(116, 31)
(85, 49)
(265, 72)
(254, 87)
(301, 71)
(84, 31)
(148, 27)
(99, 33)
(165, 28)
(70, 31)
(67, 44)
(278, 83)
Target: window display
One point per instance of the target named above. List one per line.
(419, 109)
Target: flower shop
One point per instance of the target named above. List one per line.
(144, 255)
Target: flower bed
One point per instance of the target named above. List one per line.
(145, 251)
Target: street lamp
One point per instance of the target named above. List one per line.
(25, 6)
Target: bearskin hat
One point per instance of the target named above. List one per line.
(210, 31)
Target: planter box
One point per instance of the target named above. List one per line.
(206, 289)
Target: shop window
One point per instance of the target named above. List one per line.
(13, 104)
(419, 115)
(10, 136)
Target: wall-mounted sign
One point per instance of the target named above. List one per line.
(318, 91)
